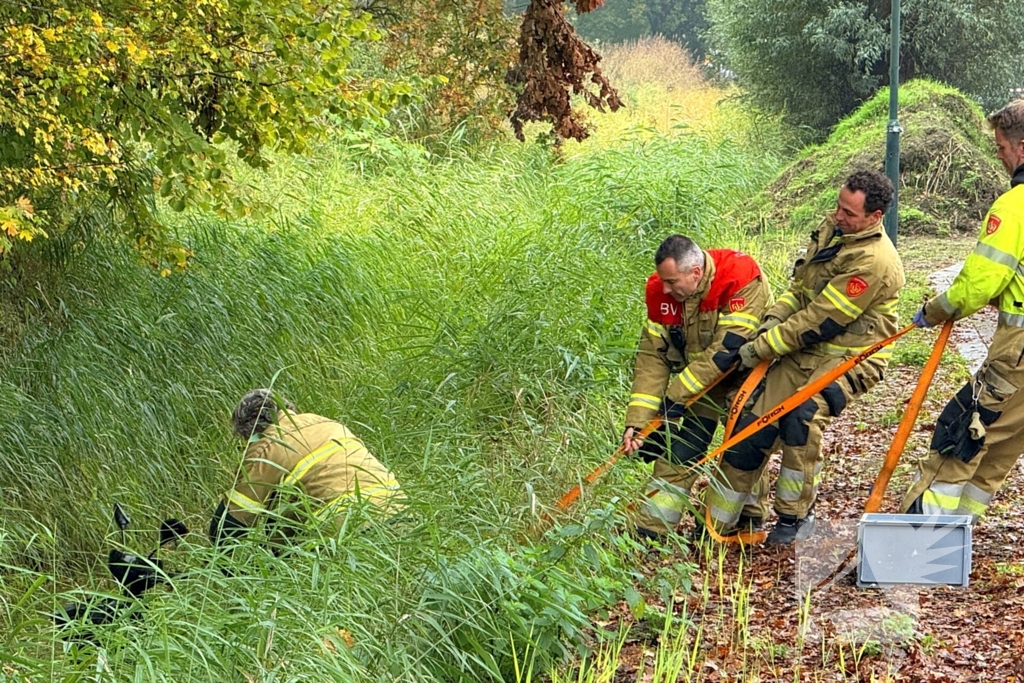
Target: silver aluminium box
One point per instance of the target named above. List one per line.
(899, 549)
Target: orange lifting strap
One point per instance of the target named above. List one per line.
(776, 413)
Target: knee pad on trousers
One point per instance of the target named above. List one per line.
(691, 439)
(750, 453)
(794, 428)
(952, 437)
(834, 398)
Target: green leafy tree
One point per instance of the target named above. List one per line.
(105, 105)
(623, 20)
(818, 59)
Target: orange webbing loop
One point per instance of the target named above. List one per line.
(907, 423)
(750, 384)
(743, 394)
(572, 494)
(786, 407)
(899, 441)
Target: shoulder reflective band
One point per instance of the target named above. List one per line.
(314, 458)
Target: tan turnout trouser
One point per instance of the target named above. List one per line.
(674, 449)
(944, 482)
(799, 433)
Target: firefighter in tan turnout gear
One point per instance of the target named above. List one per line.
(977, 437)
(842, 299)
(701, 307)
(291, 453)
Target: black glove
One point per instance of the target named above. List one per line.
(670, 410)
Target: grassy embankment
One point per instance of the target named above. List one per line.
(471, 317)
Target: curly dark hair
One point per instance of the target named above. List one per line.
(256, 411)
(876, 187)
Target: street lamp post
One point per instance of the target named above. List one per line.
(892, 136)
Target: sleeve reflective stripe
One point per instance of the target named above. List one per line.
(645, 401)
(889, 307)
(244, 503)
(836, 350)
(945, 304)
(839, 300)
(998, 256)
(302, 467)
(738, 319)
(690, 381)
(655, 330)
(790, 300)
(774, 339)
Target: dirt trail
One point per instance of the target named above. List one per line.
(758, 623)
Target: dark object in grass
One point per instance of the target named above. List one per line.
(133, 573)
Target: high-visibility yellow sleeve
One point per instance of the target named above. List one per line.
(988, 269)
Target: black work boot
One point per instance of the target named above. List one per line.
(917, 507)
(645, 534)
(749, 523)
(790, 528)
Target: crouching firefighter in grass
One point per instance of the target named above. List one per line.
(701, 308)
(841, 300)
(291, 452)
(978, 436)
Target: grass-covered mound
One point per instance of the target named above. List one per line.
(948, 171)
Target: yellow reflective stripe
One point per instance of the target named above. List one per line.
(744, 320)
(889, 306)
(655, 329)
(302, 467)
(645, 401)
(690, 381)
(725, 505)
(837, 350)
(937, 500)
(997, 256)
(774, 339)
(975, 507)
(790, 300)
(244, 503)
(381, 489)
(841, 302)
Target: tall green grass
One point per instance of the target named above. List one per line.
(471, 317)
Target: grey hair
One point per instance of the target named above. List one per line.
(256, 411)
(682, 250)
(1009, 121)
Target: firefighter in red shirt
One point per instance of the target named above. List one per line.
(702, 306)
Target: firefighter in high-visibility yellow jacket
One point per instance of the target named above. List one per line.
(842, 299)
(978, 435)
(299, 457)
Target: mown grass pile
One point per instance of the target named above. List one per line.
(949, 176)
(472, 318)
